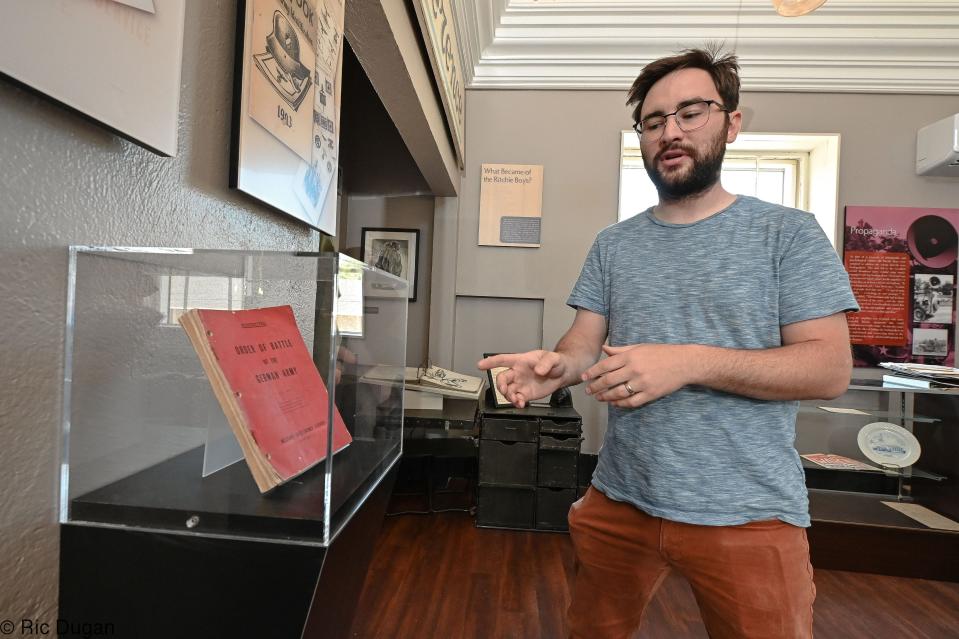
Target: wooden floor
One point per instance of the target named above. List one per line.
(437, 576)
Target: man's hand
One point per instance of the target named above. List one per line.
(529, 376)
(635, 375)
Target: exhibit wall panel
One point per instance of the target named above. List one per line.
(575, 135)
(65, 180)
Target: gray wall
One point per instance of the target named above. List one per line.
(406, 212)
(66, 181)
(484, 320)
(576, 136)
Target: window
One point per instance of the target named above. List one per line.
(799, 171)
(181, 292)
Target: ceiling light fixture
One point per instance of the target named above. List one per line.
(793, 8)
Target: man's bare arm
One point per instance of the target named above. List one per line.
(582, 344)
(814, 362)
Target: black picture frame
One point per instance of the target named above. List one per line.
(393, 250)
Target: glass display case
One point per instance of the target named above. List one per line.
(868, 514)
(146, 445)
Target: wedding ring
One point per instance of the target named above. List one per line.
(628, 388)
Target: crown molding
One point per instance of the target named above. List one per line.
(858, 46)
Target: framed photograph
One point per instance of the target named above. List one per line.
(395, 251)
(286, 106)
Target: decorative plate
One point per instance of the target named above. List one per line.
(889, 444)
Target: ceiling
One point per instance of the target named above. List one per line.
(862, 46)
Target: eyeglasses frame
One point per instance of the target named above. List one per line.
(638, 126)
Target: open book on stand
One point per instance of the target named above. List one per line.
(432, 379)
(268, 386)
(449, 383)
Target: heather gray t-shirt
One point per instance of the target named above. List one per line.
(698, 455)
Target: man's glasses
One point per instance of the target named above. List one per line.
(688, 118)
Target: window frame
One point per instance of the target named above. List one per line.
(817, 168)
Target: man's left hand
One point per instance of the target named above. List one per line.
(631, 376)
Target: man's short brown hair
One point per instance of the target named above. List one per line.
(724, 70)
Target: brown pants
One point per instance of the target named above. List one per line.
(753, 580)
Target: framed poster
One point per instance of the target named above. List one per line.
(286, 106)
(114, 61)
(902, 266)
(395, 251)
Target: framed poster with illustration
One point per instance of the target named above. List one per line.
(286, 106)
(395, 251)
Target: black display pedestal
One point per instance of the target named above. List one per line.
(169, 584)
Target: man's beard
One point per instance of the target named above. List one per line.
(705, 172)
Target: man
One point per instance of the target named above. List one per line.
(720, 312)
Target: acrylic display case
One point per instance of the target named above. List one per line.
(146, 445)
(163, 530)
(885, 519)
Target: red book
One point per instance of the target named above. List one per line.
(268, 386)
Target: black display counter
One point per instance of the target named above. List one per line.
(167, 553)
